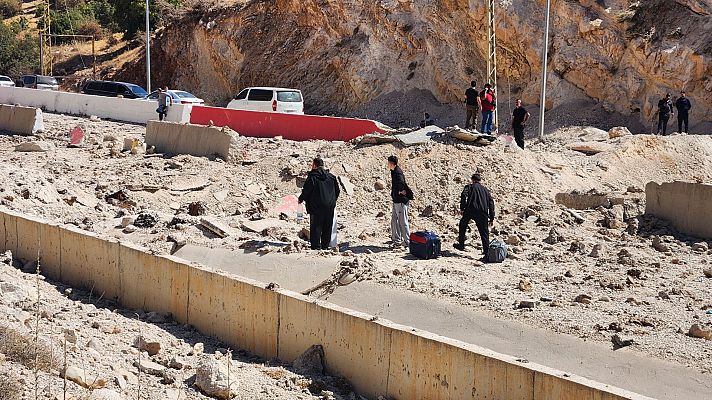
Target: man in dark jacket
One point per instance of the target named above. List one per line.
(471, 104)
(320, 192)
(683, 106)
(401, 195)
(476, 204)
(664, 113)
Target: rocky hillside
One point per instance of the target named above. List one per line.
(618, 54)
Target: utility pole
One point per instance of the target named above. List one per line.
(148, 52)
(545, 57)
(492, 53)
(45, 41)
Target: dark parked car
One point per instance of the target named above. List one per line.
(37, 82)
(114, 89)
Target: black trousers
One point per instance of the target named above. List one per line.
(682, 119)
(662, 123)
(482, 227)
(519, 136)
(320, 225)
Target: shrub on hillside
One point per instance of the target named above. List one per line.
(91, 28)
(10, 8)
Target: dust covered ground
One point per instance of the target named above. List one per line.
(591, 273)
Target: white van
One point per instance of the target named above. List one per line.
(269, 99)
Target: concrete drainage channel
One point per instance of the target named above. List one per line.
(379, 357)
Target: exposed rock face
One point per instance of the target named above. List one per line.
(343, 53)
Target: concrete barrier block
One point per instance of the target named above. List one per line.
(11, 238)
(238, 311)
(686, 205)
(51, 252)
(152, 283)
(28, 238)
(196, 140)
(427, 366)
(354, 346)
(21, 120)
(90, 263)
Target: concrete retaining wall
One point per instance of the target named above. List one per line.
(377, 356)
(688, 206)
(119, 109)
(197, 140)
(20, 120)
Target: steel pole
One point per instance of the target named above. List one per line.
(545, 56)
(148, 52)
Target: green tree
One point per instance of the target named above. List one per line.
(18, 55)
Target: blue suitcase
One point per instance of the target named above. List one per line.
(424, 245)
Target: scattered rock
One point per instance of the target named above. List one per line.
(215, 227)
(151, 347)
(149, 367)
(379, 185)
(211, 377)
(618, 131)
(70, 335)
(105, 394)
(659, 245)
(700, 247)
(513, 240)
(707, 272)
(311, 362)
(83, 378)
(427, 212)
(146, 219)
(36, 146)
(525, 285)
(177, 363)
(698, 332)
(595, 251)
(197, 208)
(619, 343)
(583, 299)
(528, 304)
(554, 237)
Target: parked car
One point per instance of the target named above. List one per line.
(38, 82)
(178, 96)
(114, 89)
(269, 99)
(6, 81)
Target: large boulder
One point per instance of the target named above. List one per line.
(35, 146)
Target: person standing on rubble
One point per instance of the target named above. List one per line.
(488, 103)
(683, 106)
(664, 113)
(320, 192)
(476, 204)
(401, 195)
(472, 105)
(427, 120)
(520, 116)
(164, 99)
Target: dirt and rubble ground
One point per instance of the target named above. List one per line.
(592, 273)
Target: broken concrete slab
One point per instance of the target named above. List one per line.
(261, 225)
(347, 185)
(583, 201)
(188, 183)
(215, 227)
(221, 195)
(618, 131)
(420, 136)
(375, 138)
(34, 146)
(589, 148)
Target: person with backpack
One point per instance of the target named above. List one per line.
(401, 196)
(488, 103)
(476, 204)
(320, 192)
(683, 106)
(664, 113)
